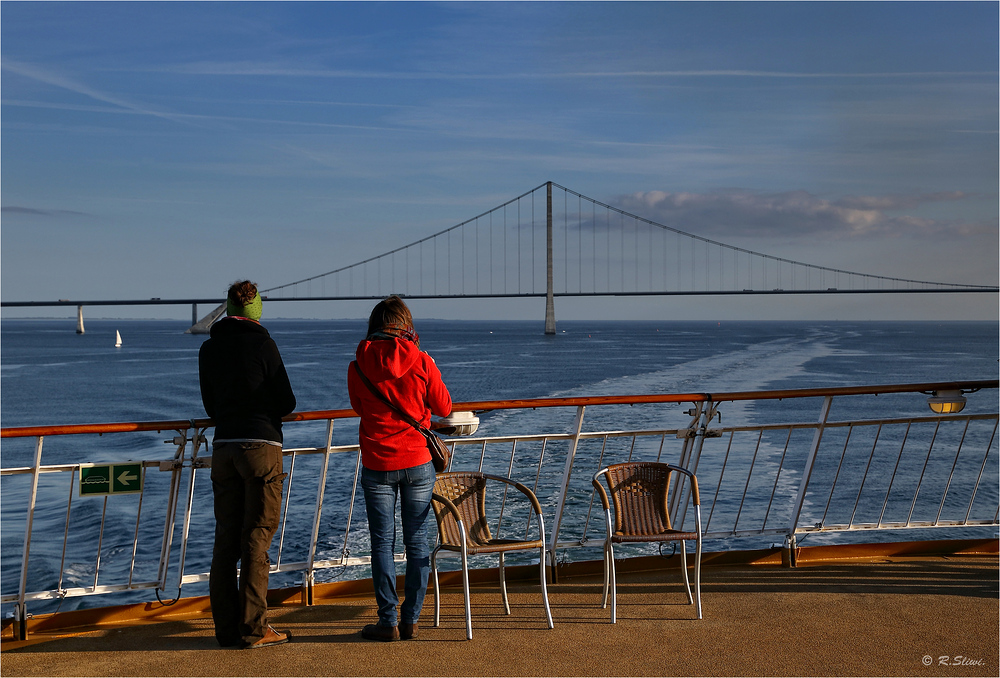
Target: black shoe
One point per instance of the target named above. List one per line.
(407, 631)
(379, 632)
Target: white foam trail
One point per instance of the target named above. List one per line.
(752, 368)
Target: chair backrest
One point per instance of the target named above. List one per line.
(639, 495)
(467, 491)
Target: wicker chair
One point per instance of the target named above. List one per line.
(640, 494)
(459, 503)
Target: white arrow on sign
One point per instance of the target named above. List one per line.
(125, 478)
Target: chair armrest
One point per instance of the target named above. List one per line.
(449, 507)
(523, 489)
(605, 503)
(694, 482)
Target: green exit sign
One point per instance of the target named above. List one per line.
(98, 480)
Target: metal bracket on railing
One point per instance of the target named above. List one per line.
(197, 439)
(788, 551)
(20, 608)
(309, 580)
(824, 414)
(21, 618)
(702, 415)
(176, 467)
(564, 488)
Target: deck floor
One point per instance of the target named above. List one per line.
(930, 616)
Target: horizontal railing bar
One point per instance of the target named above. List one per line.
(908, 420)
(855, 422)
(79, 591)
(343, 562)
(541, 437)
(333, 449)
(585, 401)
(530, 403)
(922, 525)
(62, 468)
(722, 534)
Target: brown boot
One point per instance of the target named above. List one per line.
(271, 638)
(407, 631)
(379, 632)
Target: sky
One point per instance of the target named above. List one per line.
(168, 149)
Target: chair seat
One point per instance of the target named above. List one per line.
(668, 535)
(495, 546)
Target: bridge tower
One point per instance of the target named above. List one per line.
(550, 307)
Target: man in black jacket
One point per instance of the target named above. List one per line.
(246, 392)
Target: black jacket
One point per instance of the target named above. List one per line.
(244, 386)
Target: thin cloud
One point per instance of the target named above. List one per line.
(69, 107)
(199, 117)
(796, 213)
(56, 80)
(275, 70)
(34, 211)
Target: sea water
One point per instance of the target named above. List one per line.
(51, 375)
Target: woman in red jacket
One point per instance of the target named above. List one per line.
(395, 459)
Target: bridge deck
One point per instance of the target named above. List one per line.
(882, 616)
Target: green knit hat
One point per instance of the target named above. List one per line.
(251, 310)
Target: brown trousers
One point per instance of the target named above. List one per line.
(246, 481)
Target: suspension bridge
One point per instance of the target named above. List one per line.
(554, 242)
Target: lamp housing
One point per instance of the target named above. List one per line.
(947, 401)
(457, 424)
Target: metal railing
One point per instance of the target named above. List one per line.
(782, 479)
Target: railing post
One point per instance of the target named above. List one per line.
(309, 580)
(20, 610)
(570, 456)
(789, 545)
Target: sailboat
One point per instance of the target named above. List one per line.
(118, 339)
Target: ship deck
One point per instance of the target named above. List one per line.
(840, 612)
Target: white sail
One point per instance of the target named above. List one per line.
(118, 339)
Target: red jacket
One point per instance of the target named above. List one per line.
(411, 380)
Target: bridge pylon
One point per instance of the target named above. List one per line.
(204, 325)
(550, 306)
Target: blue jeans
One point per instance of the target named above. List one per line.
(414, 487)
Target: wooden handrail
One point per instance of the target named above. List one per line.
(527, 403)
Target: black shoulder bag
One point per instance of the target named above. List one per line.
(440, 454)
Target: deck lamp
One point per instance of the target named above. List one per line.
(949, 401)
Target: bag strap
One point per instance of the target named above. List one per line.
(407, 418)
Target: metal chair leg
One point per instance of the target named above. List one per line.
(697, 574)
(607, 574)
(437, 590)
(465, 586)
(503, 587)
(614, 584)
(684, 569)
(545, 590)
